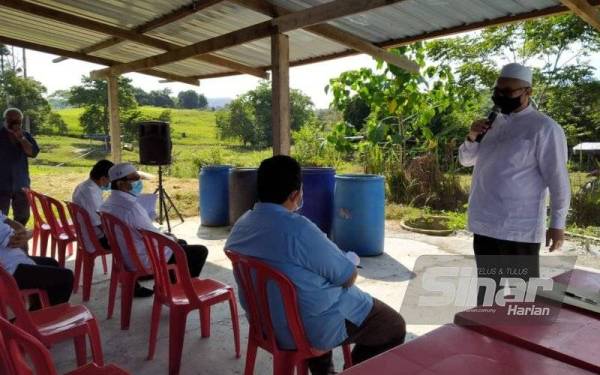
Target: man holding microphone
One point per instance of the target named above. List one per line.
(517, 156)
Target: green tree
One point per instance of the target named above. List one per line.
(559, 47)
(249, 116)
(25, 94)
(141, 96)
(190, 99)
(356, 112)
(55, 124)
(162, 98)
(92, 95)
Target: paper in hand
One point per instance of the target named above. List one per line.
(353, 257)
(148, 201)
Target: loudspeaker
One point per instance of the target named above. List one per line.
(155, 143)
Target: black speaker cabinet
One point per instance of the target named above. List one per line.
(155, 143)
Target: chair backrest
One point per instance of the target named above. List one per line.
(157, 246)
(84, 229)
(115, 229)
(11, 300)
(26, 354)
(253, 277)
(56, 217)
(35, 202)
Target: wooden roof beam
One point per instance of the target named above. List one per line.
(174, 16)
(585, 11)
(123, 34)
(331, 32)
(93, 59)
(322, 13)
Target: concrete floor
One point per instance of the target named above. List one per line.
(384, 277)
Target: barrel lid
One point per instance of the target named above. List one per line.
(359, 177)
(243, 169)
(309, 170)
(217, 167)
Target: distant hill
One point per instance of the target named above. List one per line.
(218, 102)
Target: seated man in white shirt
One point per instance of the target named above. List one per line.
(88, 195)
(32, 272)
(122, 203)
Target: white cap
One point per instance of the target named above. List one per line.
(118, 171)
(516, 71)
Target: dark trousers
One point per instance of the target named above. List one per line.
(18, 202)
(46, 275)
(497, 259)
(381, 330)
(196, 257)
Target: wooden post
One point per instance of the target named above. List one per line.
(113, 116)
(280, 59)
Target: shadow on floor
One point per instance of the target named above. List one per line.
(384, 268)
(213, 233)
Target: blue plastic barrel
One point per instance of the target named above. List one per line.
(359, 214)
(317, 186)
(214, 195)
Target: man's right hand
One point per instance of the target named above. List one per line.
(19, 239)
(478, 127)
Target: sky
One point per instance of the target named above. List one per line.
(311, 79)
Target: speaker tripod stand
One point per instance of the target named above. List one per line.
(165, 204)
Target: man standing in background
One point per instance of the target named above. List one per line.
(16, 146)
(517, 158)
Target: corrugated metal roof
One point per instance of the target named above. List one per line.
(385, 25)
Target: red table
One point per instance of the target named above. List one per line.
(454, 350)
(580, 279)
(570, 336)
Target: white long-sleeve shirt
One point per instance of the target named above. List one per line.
(125, 207)
(10, 258)
(88, 195)
(520, 158)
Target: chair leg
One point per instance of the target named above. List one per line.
(77, 272)
(126, 302)
(80, 350)
(154, 324)
(52, 247)
(69, 249)
(44, 234)
(104, 266)
(282, 365)
(177, 321)
(204, 321)
(347, 356)
(250, 357)
(302, 368)
(112, 291)
(235, 323)
(36, 239)
(62, 249)
(88, 274)
(95, 342)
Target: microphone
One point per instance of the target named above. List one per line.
(490, 120)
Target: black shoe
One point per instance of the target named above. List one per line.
(142, 292)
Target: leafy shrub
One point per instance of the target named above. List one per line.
(585, 204)
(312, 150)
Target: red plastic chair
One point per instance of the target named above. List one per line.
(41, 229)
(253, 277)
(85, 257)
(120, 274)
(61, 231)
(23, 354)
(180, 292)
(52, 324)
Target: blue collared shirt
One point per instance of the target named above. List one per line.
(14, 169)
(318, 268)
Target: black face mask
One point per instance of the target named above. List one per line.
(506, 104)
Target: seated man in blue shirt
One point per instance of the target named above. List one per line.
(332, 308)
